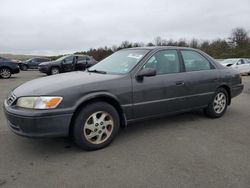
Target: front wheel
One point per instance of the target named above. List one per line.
(96, 126)
(24, 67)
(218, 106)
(54, 71)
(5, 73)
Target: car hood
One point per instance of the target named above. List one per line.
(63, 83)
(48, 63)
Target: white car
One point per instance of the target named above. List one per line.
(242, 65)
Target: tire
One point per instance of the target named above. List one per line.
(95, 126)
(5, 73)
(54, 70)
(218, 105)
(24, 67)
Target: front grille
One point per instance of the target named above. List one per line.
(11, 99)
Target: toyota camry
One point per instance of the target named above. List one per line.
(130, 85)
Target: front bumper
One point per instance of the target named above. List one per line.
(30, 125)
(15, 71)
(236, 90)
(43, 69)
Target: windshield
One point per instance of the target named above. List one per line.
(62, 58)
(29, 60)
(120, 62)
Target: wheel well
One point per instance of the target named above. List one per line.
(108, 100)
(228, 92)
(55, 66)
(5, 67)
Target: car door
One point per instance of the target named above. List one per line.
(201, 78)
(241, 66)
(162, 93)
(247, 64)
(32, 63)
(67, 64)
(80, 63)
(37, 62)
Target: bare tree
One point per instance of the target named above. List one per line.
(239, 38)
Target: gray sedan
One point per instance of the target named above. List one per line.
(128, 86)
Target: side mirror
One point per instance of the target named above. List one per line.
(146, 72)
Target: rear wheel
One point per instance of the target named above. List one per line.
(218, 106)
(54, 70)
(5, 73)
(24, 67)
(96, 126)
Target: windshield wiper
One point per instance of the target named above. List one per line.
(97, 71)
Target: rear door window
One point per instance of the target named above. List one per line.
(194, 61)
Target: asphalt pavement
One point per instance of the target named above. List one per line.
(186, 150)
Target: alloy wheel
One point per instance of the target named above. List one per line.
(54, 71)
(98, 127)
(219, 103)
(5, 73)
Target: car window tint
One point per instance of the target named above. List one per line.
(247, 61)
(34, 60)
(69, 59)
(43, 60)
(194, 61)
(165, 62)
(242, 62)
(81, 58)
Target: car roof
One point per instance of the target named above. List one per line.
(160, 47)
(83, 55)
(232, 59)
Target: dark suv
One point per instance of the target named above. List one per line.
(7, 67)
(66, 64)
(32, 63)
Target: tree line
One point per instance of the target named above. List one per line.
(236, 45)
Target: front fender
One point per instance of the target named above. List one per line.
(94, 95)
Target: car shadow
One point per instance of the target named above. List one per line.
(11, 78)
(168, 122)
(50, 146)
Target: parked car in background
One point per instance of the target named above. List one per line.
(66, 64)
(242, 65)
(7, 68)
(128, 86)
(32, 63)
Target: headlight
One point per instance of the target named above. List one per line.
(39, 102)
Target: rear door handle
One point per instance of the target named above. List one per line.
(179, 83)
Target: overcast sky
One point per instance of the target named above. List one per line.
(51, 27)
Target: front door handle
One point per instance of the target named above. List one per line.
(179, 83)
